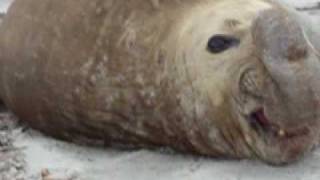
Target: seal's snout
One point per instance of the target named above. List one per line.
(290, 64)
(289, 113)
(279, 37)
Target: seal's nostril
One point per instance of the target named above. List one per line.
(297, 53)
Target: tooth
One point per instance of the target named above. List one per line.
(281, 133)
(248, 139)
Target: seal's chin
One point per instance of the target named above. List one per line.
(283, 145)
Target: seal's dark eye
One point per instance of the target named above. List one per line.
(220, 43)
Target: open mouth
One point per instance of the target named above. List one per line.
(259, 122)
(285, 144)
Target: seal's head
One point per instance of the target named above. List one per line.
(258, 75)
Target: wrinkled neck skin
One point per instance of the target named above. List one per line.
(258, 100)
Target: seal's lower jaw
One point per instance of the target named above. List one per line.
(280, 145)
(288, 149)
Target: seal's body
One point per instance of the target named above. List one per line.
(186, 74)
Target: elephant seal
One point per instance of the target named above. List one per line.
(199, 76)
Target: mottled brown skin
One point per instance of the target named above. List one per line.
(138, 72)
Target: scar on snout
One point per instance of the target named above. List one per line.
(232, 23)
